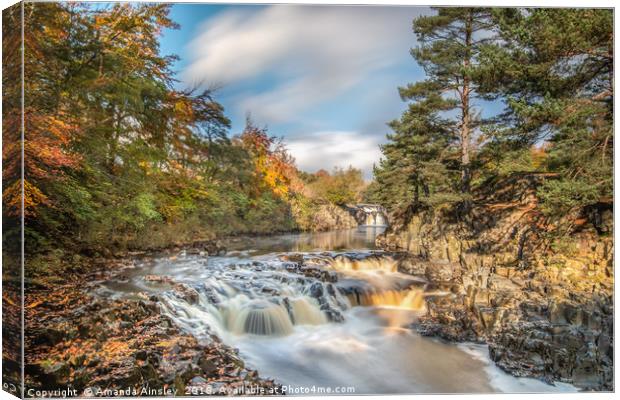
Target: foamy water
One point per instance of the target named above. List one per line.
(304, 332)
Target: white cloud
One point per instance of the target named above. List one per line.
(326, 150)
(307, 54)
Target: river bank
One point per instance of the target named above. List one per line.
(542, 301)
(96, 346)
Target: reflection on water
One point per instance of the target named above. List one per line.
(351, 239)
(307, 332)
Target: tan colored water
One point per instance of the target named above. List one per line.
(260, 318)
(342, 264)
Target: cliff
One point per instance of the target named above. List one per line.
(539, 292)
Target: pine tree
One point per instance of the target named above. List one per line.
(429, 157)
(450, 43)
(555, 69)
(419, 165)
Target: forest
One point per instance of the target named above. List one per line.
(116, 156)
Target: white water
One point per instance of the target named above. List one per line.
(375, 215)
(283, 322)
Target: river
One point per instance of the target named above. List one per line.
(341, 325)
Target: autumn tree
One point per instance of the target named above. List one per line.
(275, 168)
(341, 186)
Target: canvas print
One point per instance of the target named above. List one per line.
(232, 199)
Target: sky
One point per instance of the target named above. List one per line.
(324, 78)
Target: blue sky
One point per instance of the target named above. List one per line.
(323, 77)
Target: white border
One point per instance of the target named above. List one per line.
(490, 3)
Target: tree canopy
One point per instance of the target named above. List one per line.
(114, 149)
(552, 69)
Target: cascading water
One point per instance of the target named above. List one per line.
(383, 263)
(273, 300)
(371, 215)
(411, 299)
(328, 319)
(256, 299)
(259, 318)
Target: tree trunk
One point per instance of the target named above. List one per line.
(465, 111)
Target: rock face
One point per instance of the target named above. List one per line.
(331, 217)
(545, 307)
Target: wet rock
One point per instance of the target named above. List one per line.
(292, 257)
(332, 314)
(544, 313)
(186, 293)
(316, 290)
(159, 279)
(318, 273)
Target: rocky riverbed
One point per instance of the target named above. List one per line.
(124, 347)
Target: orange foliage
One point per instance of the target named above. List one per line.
(274, 166)
(33, 198)
(539, 155)
(45, 145)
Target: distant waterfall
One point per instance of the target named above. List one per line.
(370, 214)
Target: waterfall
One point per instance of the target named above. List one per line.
(259, 318)
(269, 298)
(306, 311)
(380, 220)
(370, 215)
(385, 264)
(412, 299)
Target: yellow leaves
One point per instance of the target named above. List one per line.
(33, 198)
(183, 108)
(113, 348)
(539, 155)
(165, 343)
(175, 165)
(34, 304)
(12, 198)
(7, 299)
(147, 167)
(274, 167)
(170, 213)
